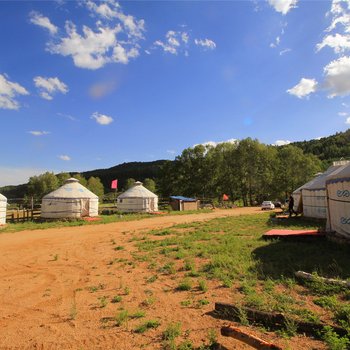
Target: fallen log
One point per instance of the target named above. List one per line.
(247, 338)
(272, 320)
(310, 277)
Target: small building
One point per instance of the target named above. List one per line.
(183, 203)
(138, 199)
(338, 190)
(3, 205)
(72, 200)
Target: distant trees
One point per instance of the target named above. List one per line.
(246, 170)
(41, 185)
(129, 183)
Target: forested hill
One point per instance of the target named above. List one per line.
(329, 148)
(136, 170)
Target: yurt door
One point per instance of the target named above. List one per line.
(85, 207)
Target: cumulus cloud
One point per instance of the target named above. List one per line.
(205, 43)
(64, 157)
(337, 77)
(39, 133)
(113, 40)
(111, 9)
(102, 119)
(174, 41)
(44, 22)
(283, 6)
(304, 88)
(281, 143)
(338, 42)
(347, 121)
(49, 86)
(8, 93)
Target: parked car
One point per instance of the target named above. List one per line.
(277, 204)
(267, 205)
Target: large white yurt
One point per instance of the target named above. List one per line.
(3, 205)
(338, 190)
(72, 200)
(314, 195)
(138, 199)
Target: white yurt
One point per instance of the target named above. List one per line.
(72, 200)
(138, 199)
(3, 205)
(298, 201)
(338, 189)
(314, 195)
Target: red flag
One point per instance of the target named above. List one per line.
(114, 184)
(225, 197)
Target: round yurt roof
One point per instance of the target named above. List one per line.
(137, 191)
(341, 174)
(2, 198)
(71, 189)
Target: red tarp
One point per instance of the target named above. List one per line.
(292, 233)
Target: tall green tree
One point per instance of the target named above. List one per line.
(62, 177)
(39, 186)
(150, 184)
(95, 185)
(129, 183)
(81, 179)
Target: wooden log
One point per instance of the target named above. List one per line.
(272, 320)
(247, 338)
(310, 277)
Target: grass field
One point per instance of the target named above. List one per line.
(260, 273)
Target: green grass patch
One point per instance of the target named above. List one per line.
(151, 324)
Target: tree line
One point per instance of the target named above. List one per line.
(246, 170)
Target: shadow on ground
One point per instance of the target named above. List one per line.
(283, 258)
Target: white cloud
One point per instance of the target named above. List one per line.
(342, 114)
(67, 116)
(205, 43)
(49, 86)
(102, 119)
(214, 144)
(39, 133)
(8, 92)
(283, 6)
(281, 143)
(337, 77)
(276, 43)
(40, 20)
(174, 41)
(347, 121)
(64, 157)
(338, 42)
(114, 41)
(304, 88)
(111, 9)
(282, 52)
(16, 176)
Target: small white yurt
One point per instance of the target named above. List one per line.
(338, 189)
(138, 199)
(298, 201)
(3, 205)
(72, 200)
(314, 195)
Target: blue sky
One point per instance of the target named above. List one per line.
(87, 85)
